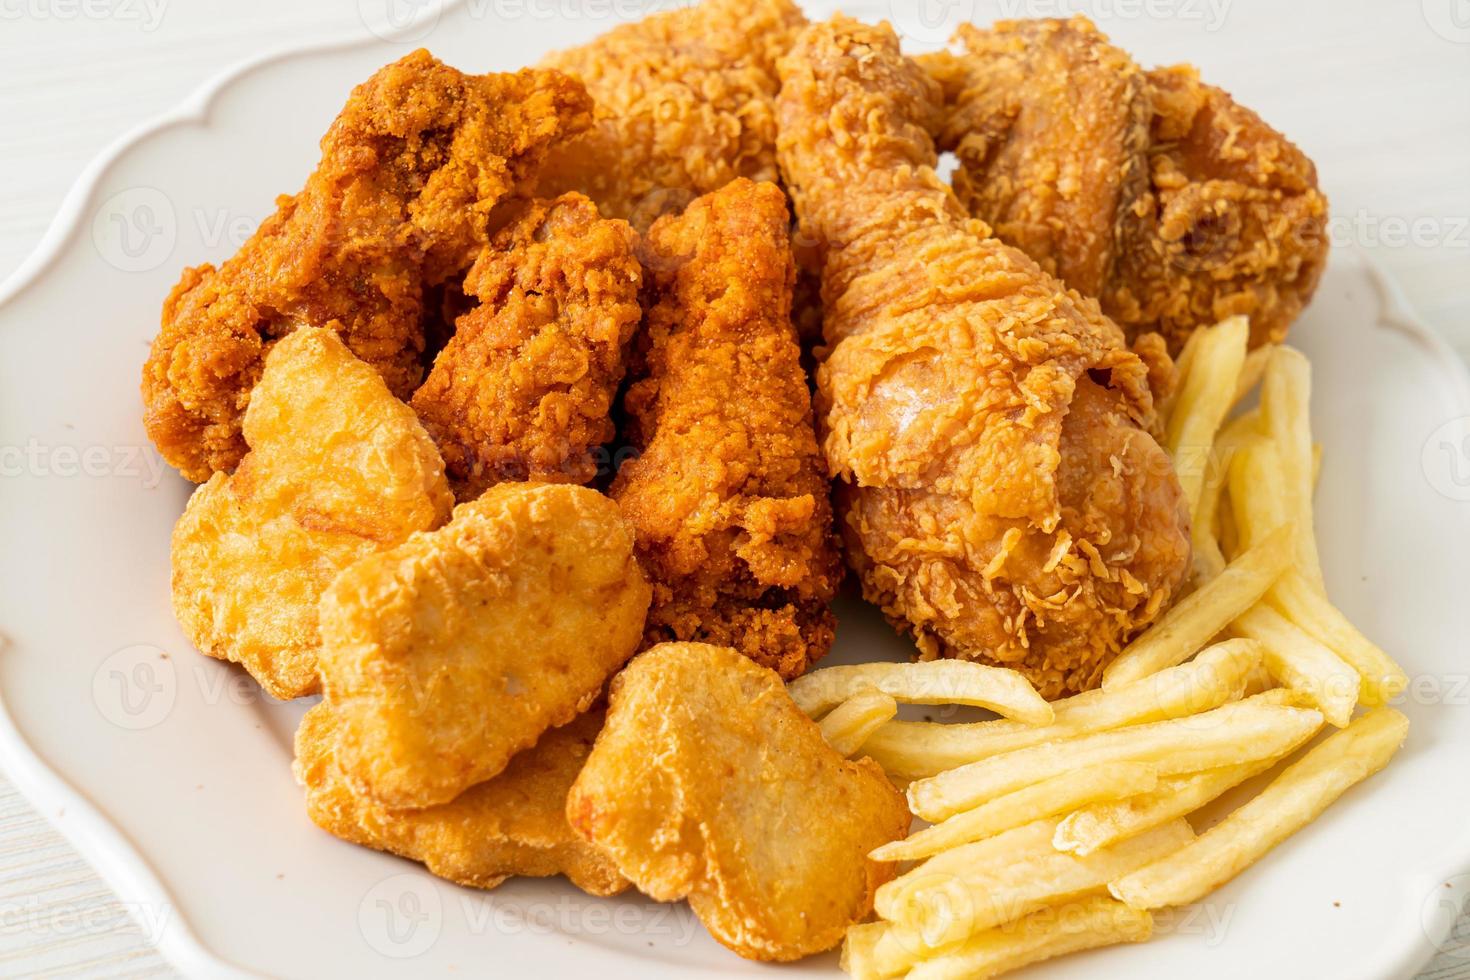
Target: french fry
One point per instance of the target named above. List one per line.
(1293, 800)
(912, 750)
(1286, 393)
(1382, 678)
(1047, 798)
(1209, 560)
(847, 726)
(1298, 661)
(857, 959)
(1103, 824)
(950, 905)
(1182, 366)
(1044, 934)
(1252, 371)
(1203, 613)
(1203, 402)
(1257, 491)
(1002, 690)
(1243, 731)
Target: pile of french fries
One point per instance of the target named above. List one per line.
(1060, 827)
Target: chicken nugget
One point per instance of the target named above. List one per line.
(514, 824)
(709, 783)
(452, 652)
(338, 469)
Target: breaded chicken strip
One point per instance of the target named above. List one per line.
(338, 469)
(1001, 494)
(709, 783)
(399, 203)
(684, 106)
(728, 496)
(444, 657)
(1159, 195)
(525, 387)
(514, 824)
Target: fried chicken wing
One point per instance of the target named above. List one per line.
(399, 203)
(708, 783)
(1002, 496)
(524, 389)
(337, 469)
(514, 824)
(1152, 191)
(728, 496)
(684, 106)
(445, 656)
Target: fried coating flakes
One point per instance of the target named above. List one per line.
(1172, 204)
(514, 824)
(729, 496)
(524, 389)
(399, 204)
(338, 469)
(684, 106)
(708, 783)
(445, 656)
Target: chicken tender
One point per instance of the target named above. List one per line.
(708, 783)
(1160, 195)
(729, 496)
(399, 204)
(514, 824)
(447, 655)
(338, 469)
(684, 106)
(1001, 492)
(524, 389)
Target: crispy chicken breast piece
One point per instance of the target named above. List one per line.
(709, 783)
(338, 469)
(447, 655)
(513, 824)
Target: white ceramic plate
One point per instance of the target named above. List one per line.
(171, 772)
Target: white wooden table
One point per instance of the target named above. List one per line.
(1389, 125)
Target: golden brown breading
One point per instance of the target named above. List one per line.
(684, 106)
(708, 783)
(399, 203)
(728, 498)
(1001, 494)
(452, 652)
(338, 469)
(524, 389)
(514, 824)
(1159, 195)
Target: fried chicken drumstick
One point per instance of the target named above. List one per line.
(728, 497)
(1161, 196)
(399, 203)
(1002, 497)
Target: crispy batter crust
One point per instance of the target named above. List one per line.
(1159, 195)
(524, 389)
(728, 496)
(399, 202)
(254, 551)
(514, 824)
(708, 783)
(447, 655)
(1002, 497)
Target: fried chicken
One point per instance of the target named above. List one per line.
(728, 496)
(524, 389)
(1159, 195)
(444, 657)
(399, 203)
(709, 783)
(1001, 494)
(514, 824)
(254, 550)
(684, 106)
